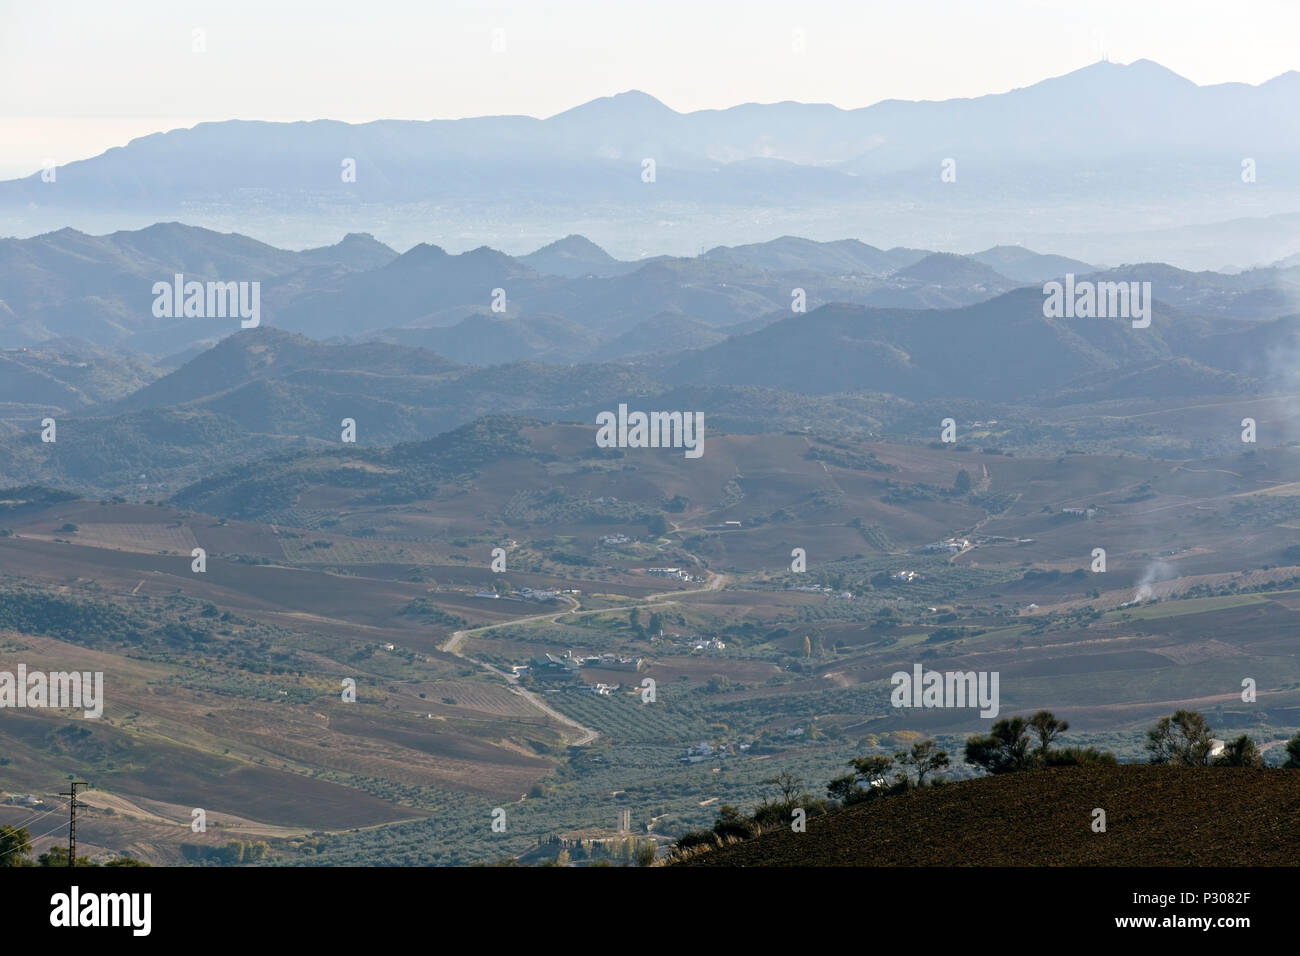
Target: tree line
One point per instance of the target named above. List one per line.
(1012, 745)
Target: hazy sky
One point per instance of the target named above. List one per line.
(79, 76)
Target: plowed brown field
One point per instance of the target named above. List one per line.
(1155, 816)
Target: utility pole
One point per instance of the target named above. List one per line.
(72, 820)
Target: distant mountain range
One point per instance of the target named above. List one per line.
(1089, 163)
(843, 367)
(567, 302)
(413, 344)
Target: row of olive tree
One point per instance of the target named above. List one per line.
(1013, 744)
(1185, 739)
(1009, 747)
(871, 777)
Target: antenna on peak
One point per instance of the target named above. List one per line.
(1099, 40)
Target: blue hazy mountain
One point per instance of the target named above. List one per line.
(1103, 151)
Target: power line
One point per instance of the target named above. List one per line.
(46, 833)
(72, 821)
(30, 820)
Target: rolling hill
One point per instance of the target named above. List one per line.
(841, 347)
(1155, 816)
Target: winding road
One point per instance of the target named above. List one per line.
(585, 734)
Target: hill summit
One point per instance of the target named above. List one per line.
(1155, 816)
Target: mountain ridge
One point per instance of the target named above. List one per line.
(620, 158)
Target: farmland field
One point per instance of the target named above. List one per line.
(230, 680)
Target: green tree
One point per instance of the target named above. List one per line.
(925, 757)
(657, 525)
(15, 846)
(962, 484)
(791, 795)
(845, 789)
(1241, 752)
(869, 778)
(627, 852)
(1293, 753)
(58, 856)
(874, 770)
(1004, 750)
(732, 824)
(789, 786)
(1182, 739)
(1047, 728)
(646, 851)
(232, 854)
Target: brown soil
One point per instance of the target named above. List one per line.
(1155, 816)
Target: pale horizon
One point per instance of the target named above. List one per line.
(405, 62)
